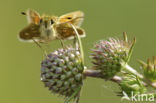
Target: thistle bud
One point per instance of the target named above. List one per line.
(149, 69)
(62, 71)
(132, 84)
(110, 55)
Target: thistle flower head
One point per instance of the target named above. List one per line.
(110, 55)
(149, 69)
(62, 71)
(131, 83)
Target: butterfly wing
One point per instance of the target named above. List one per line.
(33, 17)
(75, 18)
(30, 32)
(66, 32)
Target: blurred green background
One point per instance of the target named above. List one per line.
(20, 62)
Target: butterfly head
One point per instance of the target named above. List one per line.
(46, 22)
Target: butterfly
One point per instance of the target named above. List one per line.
(46, 28)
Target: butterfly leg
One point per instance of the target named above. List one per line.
(61, 41)
(48, 48)
(37, 43)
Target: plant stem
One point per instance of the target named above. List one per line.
(97, 74)
(73, 95)
(92, 73)
(133, 71)
(79, 42)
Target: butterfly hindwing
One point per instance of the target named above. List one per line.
(30, 32)
(67, 32)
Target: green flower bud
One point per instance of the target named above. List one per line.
(62, 71)
(149, 69)
(131, 83)
(110, 55)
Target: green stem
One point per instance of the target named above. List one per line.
(133, 71)
(79, 42)
(73, 95)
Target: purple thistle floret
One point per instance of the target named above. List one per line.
(62, 71)
(110, 55)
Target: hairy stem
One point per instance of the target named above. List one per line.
(133, 71)
(117, 79)
(97, 74)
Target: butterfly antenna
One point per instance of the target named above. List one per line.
(23, 13)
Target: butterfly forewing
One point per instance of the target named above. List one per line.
(75, 18)
(33, 17)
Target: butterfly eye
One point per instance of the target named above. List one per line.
(52, 22)
(41, 20)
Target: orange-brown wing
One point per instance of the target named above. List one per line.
(33, 17)
(76, 18)
(30, 32)
(65, 32)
